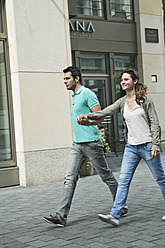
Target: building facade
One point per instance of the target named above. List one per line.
(38, 39)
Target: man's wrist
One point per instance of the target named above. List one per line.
(89, 123)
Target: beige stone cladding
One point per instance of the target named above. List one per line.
(148, 14)
(39, 49)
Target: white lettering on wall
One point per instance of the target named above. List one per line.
(81, 26)
(71, 25)
(90, 27)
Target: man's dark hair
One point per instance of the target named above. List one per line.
(75, 71)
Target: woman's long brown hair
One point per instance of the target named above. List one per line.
(140, 88)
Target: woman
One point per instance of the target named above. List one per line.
(142, 136)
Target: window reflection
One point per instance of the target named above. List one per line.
(1, 26)
(120, 64)
(97, 86)
(93, 63)
(122, 9)
(91, 7)
(5, 144)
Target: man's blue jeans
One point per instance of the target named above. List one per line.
(131, 158)
(78, 154)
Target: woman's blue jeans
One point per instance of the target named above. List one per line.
(77, 156)
(131, 158)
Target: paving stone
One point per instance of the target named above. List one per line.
(37, 243)
(159, 242)
(140, 243)
(98, 245)
(25, 239)
(22, 226)
(16, 244)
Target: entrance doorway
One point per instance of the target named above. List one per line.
(97, 74)
(99, 85)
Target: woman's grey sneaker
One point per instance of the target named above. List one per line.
(163, 218)
(53, 220)
(108, 219)
(124, 211)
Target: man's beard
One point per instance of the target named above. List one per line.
(72, 87)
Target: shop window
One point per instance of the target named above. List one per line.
(97, 85)
(5, 132)
(93, 67)
(5, 146)
(91, 7)
(1, 26)
(122, 9)
(93, 63)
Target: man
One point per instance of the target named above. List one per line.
(87, 144)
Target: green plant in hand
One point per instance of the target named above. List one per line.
(104, 140)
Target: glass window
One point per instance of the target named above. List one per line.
(5, 143)
(5, 136)
(120, 64)
(1, 26)
(91, 7)
(122, 9)
(97, 86)
(93, 63)
(123, 61)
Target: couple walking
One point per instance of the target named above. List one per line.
(142, 136)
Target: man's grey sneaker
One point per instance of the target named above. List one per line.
(108, 219)
(53, 220)
(124, 211)
(163, 218)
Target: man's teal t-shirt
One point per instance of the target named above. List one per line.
(83, 100)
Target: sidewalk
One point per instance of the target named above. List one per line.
(21, 211)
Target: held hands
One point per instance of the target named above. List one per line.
(155, 153)
(83, 120)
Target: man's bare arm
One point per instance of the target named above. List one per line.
(83, 120)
